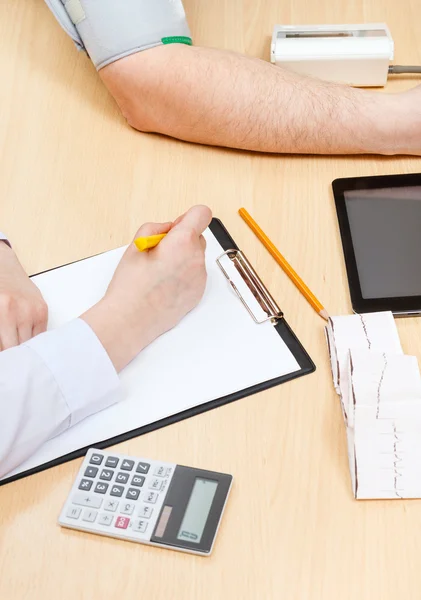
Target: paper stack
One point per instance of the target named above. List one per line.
(380, 392)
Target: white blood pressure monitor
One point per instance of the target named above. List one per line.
(358, 55)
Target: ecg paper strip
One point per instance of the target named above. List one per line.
(380, 390)
(375, 331)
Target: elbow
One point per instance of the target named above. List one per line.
(135, 112)
(135, 84)
(130, 99)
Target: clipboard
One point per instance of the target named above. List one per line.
(272, 313)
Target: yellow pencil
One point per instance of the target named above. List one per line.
(295, 278)
(146, 243)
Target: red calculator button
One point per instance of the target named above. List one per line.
(122, 522)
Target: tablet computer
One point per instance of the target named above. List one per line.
(380, 225)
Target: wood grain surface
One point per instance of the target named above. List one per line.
(76, 180)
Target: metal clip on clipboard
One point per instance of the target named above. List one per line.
(255, 285)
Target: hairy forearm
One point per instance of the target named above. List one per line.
(226, 99)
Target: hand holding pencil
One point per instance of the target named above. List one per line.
(283, 263)
(150, 292)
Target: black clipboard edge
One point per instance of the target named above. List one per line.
(307, 366)
(191, 412)
(294, 345)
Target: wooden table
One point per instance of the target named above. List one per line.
(76, 180)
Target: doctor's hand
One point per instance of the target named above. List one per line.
(152, 291)
(23, 312)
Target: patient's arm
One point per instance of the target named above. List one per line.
(226, 99)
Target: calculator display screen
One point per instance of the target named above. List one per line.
(197, 510)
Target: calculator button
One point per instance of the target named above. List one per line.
(133, 494)
(122, 477)
(86, 500)
(105, 519)
(101, 488)
(155, 484)
(73, 512)
(106, 474)
(150, 497)
(161, 471)
(96, 459)
(138, 480)
(111, 505)
(117, 490)
(122, 522)
(143, 467)
(140, 526)
(127, 465)
(90, 472)
(89, 515)
(145, 512)
(85, 484)
(112, 461)
(127, 508)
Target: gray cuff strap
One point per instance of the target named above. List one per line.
(57, 8)
(112, 29)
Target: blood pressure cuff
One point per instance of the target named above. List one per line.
(112, 29)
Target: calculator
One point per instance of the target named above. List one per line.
(147, 501)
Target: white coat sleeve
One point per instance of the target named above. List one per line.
(49, 384)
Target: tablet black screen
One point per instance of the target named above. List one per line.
(380, 223)
(385, 227)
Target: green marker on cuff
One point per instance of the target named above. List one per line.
(177, 39)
